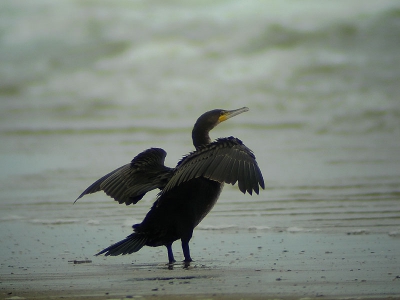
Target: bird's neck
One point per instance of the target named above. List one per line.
(200, 137)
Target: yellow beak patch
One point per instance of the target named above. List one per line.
(222, 118)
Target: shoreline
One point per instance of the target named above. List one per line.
(237, 265)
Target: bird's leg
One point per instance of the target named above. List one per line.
(186, 250)
(171, 258)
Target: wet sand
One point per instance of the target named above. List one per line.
(229, 264)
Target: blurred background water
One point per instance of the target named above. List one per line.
(86, 85)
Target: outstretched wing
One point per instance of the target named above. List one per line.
(225, 160)
(129, 183)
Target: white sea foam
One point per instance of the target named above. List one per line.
(93, 222)
(299, 229)
(218, 227)
(11, 218)
(394, 234)
(259, 228)
(358, 231)
(54, 221)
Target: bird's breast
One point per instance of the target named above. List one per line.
(203, 196)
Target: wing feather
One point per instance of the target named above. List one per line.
(203, 165)
(254, 179)
(232, 175)
(221, 169)
(259, 176)
(129, 183)
(225, 160)
(213, 166)
(247, 177)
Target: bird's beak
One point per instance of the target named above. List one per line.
(231, 113)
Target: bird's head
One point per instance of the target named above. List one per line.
(213, 117)
(209, 120)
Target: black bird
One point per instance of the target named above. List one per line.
(188, 191)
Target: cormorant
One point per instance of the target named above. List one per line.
(188, 191)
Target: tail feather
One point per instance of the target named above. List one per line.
(130, 244)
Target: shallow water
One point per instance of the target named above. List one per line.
(85, 86)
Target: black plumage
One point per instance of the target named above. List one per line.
(188, 191)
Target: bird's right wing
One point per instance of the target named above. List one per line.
(129, 183)
(225, 160)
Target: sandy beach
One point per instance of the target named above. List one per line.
(227, 264)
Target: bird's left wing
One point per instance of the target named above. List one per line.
(225, 160)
